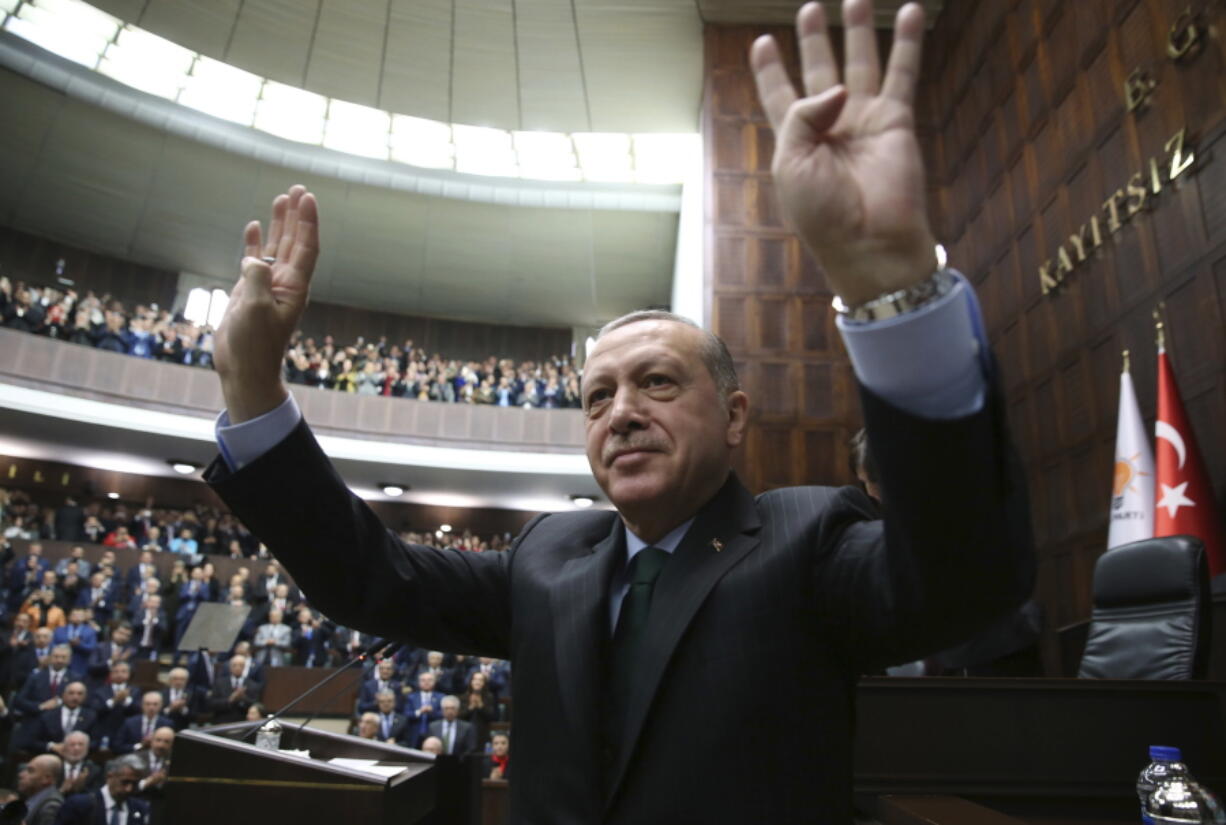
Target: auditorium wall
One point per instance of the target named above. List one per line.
(1026, 134)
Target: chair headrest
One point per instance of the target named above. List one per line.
(1152, 570)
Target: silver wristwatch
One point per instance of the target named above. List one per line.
(904, 300)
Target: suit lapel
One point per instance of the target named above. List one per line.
(579, 598)
(722, 534)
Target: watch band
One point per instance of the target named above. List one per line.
(901, 301)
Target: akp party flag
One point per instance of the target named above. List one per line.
(1132, 489)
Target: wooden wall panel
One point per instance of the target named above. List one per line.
(1023, 125)
(769, 301)
(1067, 142)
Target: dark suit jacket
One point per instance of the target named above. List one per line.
(399, 729)
(50, 728)
(37, 689)
(111, 718)
(370, 688)
(93, 778)
(181, 719)
(219, 698)
(129, 734)
(798, 586)
(47, 810)
(89, 809)
(465, 736)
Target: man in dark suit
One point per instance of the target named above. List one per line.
(42, 688)
(180, 699)
(118, 649)
(622, 626)
(142, 571)
(114, 702)
(81, 775)
(233, 692)
(80, 637)
(149, 627)
(123, 775)
(48, 732)
(458, 737)
(101, 596)
(382, 679)
(422, 707)
(393, 726)
(137, 731)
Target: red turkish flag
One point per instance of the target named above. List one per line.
(1185, 503)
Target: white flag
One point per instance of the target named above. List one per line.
(1132, 490)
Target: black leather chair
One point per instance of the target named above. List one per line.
(1151, 612)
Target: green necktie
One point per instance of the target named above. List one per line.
(644, 569)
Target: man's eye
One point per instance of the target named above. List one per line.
(658, 380)
(597, 396)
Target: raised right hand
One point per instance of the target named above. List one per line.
(266, 304)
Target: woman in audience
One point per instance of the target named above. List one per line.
(498, 763)
(477, 705)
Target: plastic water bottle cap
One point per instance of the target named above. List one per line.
(1165, 754)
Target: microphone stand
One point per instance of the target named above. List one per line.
(361, 659)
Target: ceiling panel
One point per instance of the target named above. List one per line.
(347, 51)
(485, 76)
(417, 66)
(272, 38)
(550, 77)
(200, 25)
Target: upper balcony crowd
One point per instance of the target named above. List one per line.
(365, 367)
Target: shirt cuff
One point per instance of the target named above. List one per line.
(241, 444)
(931, 362)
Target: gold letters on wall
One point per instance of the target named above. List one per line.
(1117, 209)
(1184, 41)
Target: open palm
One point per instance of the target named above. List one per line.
(847, 165)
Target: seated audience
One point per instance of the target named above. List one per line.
(43, 687)
(180, 700)
(118, 648)
(310, 640)
(273, 641)
(115, 702)
(368, 726)
(233, 692)
(149, 627)
(433, 745)
(383, 679)
(393, 726)
(423, 707)
(80, 637)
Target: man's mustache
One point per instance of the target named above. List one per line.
(613, 449)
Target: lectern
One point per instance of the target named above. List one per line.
(215, 777)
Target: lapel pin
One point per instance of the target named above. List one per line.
(717, 544)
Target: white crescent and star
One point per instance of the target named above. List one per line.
(1165, 430)
(1173, 498)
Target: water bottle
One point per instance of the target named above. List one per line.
(1163, 762)
(1170, 796)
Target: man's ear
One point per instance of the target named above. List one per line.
(738, 417)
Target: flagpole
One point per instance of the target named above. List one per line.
(1127, 362)
(1159, 330)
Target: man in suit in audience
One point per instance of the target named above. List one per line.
(233, 693)
(458, 737)
(42, 689)
(118, 648)
(382, 679)
(100, 596)
(137, 731)
(273, 642)
(310, 640)
(613, 619)
(53, 724)
(180, 699)
(114, 702)
(423, 707)
(155, 764)
(393, 726)
(76, 554)
(149, 627)
(80, 637)
(38, 785)
(18, 656)
(141, 572)
(114, 802)
(443, 676)
(368, 726)
(81, 775)
(140, 596)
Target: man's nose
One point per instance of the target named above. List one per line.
(628, 412)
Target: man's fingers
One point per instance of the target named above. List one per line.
(286, 242)
(818, 114)
(863, 68)
(305, 249)
(902, 71)
(257, 279)
(276, 226)
(251, 240)
(818, 67)
(775, 90)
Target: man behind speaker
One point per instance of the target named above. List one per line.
(623, 628)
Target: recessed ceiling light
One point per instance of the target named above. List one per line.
(582, 501)
(446, 528)
(185, 468)
(112, 495)
(392, 489)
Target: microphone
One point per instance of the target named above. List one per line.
(384, 646)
